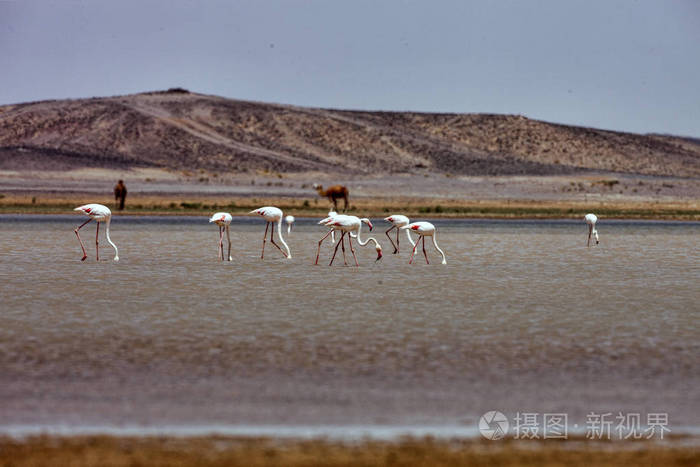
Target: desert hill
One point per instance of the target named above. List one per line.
(179, 130)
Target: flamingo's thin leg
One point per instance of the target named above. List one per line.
(336, 248)
(342, 241)
(97, 242)
(220, 251)
(396, 250)
(228, 236)
(318, 253)
(410, 261)
(590, 230)
(81, 242)
(424, 253)
(272, 239)
(352, 249)
(267, 225)
(218, 245)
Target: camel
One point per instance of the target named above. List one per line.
(333, 193)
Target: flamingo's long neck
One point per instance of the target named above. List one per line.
(444, 261)
(116, 252)
(279, 234)
(359, 240)
(408, 234)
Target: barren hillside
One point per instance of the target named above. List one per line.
(184, 131)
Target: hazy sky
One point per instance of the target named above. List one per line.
(625, 65)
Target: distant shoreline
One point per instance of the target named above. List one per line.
(437, 196)
(332, 432)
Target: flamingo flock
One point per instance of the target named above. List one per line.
(350, 225)
(341, 223)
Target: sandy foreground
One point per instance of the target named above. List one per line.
(154, 191)
(231, 451)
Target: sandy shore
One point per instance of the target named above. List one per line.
(429, 195)
(215, 450)
(197, 206)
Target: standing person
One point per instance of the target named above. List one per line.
(120, 194)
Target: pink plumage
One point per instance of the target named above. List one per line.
(352, 226)
(424, 229)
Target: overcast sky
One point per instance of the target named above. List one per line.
(624, 65)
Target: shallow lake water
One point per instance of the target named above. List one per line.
(523, 318)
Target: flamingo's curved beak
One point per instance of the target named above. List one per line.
(379, 254)
(369, 224)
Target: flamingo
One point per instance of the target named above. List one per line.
(424, 229)
(99, 213)
(332, 214)
(272, 215)
(397, 221)
(289, 220)
(591, 219)
(347, 225)
(223, 220)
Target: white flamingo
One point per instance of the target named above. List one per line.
(331, 231)
(99, 213)
(398, 221)
(272, 214)
(289, 220)
(424, 229)
(223, 220)
(347, 225)
(591, 219)
(332, 214)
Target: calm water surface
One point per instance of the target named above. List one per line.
(523, 318)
